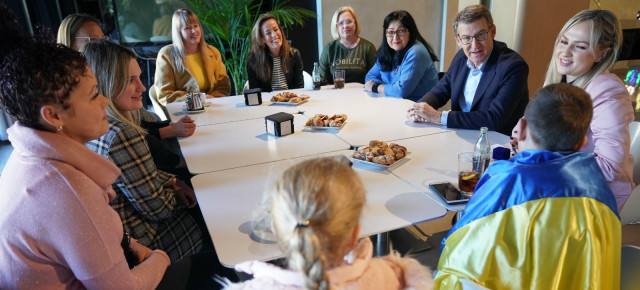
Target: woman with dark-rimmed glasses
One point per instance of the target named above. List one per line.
(405, 66)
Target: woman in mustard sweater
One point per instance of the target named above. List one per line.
(189, 64)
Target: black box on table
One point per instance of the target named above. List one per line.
(253, 97)
(279, 124)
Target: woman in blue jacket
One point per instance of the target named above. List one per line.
(404, 68)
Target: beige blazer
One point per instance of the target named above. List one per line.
(170, 84)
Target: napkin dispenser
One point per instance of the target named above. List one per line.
(194, 102)
(279, 124)
(253, 97)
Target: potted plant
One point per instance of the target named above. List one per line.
(228, 25)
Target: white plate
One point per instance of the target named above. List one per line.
(289, 104)
(372, 165)
(325, 128)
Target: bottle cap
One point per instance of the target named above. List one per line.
(501, 153)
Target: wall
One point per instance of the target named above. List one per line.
(626, 11)
(371, 13)
(543, 20)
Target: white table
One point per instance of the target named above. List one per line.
(243, 143)
(391, 204)
(233, 108)
(434, 158)
(235, 157)
(372, 118)
(227, 109)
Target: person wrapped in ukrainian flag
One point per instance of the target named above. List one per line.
(546, 218)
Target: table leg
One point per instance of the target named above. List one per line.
(381, 248)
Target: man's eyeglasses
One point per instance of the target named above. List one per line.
(398, 32)
(345, 22)
(466, 39)
(93, 37)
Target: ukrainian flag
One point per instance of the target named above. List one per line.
(540, 220)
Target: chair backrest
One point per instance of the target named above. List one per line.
(308, 81)
(160, 110)
(634, 132)
(630, 267)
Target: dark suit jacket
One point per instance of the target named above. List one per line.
(500, 99)
(294, 75)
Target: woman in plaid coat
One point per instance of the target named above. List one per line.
(151, 203)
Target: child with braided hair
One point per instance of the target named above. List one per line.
(315, 208)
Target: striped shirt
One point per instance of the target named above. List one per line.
(278, 80)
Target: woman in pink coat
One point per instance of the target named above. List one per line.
(315, 207)
(586, 48)
(58, 230)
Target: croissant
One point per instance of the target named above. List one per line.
(384, 159)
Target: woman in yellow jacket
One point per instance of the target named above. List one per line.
(189, 64)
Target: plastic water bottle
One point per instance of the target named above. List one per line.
(482, 152)
(315, 76)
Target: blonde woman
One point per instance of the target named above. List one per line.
(586, 49)
(273, 65)
(189, 64)
(348, 51)
(316, 207)
(76, 30)
(151, 203)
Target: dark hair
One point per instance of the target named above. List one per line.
(35, 71)
(558, 116)
(386, 54)
(260, 50)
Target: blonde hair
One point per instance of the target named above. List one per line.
(336, 15)
(315, 206)
(261, 66)
(110, 63)
(70, 26)
(605, 33)
(182, 17)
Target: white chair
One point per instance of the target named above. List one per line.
(308, 81)
(630, 213)
(160, 110)
(630, 267)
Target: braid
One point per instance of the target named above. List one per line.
(315, 206)
(307, 257)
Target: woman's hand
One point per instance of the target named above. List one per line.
(368, 86)
(139, 250)
(183, 128)
(423, 113)
(185, 193)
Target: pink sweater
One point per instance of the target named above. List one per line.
(608, 134)
(58, 230)
(360, 271)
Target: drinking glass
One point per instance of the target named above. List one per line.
(338, 79)
(469, 171)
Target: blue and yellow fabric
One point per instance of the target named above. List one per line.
(541, 220)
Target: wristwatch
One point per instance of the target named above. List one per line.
(374, 88)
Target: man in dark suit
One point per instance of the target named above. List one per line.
(486, 81)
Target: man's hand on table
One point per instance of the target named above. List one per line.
(423, 113)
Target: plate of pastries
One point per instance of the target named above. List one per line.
(324, 122)
(379, 154)
(289, 99)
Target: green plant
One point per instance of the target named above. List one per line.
(228, 25)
